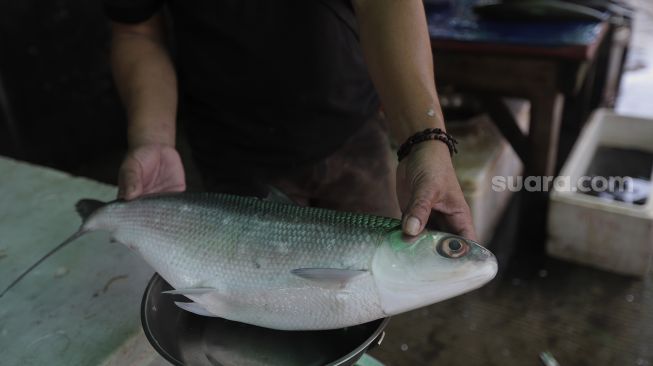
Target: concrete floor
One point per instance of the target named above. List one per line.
(580, 315)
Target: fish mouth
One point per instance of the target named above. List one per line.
(490, 269)
(486, 271)
(488, 262)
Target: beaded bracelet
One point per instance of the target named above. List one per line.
(427, 134)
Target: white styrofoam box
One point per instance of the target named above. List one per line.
(484, 153)
(610, 235)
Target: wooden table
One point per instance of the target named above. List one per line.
(543, 73)
(544, 63)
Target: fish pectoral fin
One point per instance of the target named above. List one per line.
(331, 276)
(193, 291)
(195, 308)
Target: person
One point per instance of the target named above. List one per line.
(286, 94)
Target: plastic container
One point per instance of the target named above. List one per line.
(604, 233)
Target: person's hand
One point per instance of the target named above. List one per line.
(426, 182)
(149, 169)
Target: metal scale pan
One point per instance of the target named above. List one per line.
(191, 340)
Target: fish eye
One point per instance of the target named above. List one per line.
(452, 247)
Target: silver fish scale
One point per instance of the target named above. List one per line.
(246, 248)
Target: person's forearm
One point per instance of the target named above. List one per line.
(146, 81)
(396, 46)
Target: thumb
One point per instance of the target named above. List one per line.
(419, 208)
(130, 184)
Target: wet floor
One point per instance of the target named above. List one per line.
(580, 315)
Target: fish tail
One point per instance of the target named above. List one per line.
(86, 207)
(76, 235)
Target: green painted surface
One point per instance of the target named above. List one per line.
(368, 360)
(80, 306)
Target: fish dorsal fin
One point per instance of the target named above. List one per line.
(194, 291)
(329, 276)
(276, 195)
(195, 308)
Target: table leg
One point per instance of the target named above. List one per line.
(506, 123)
(544, 129)
(546, 115)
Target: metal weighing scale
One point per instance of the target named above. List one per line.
(187, 339)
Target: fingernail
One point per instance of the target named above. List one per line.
(412, 225)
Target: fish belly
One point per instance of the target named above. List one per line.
(299, 306)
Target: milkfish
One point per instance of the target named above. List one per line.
(284, 266)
